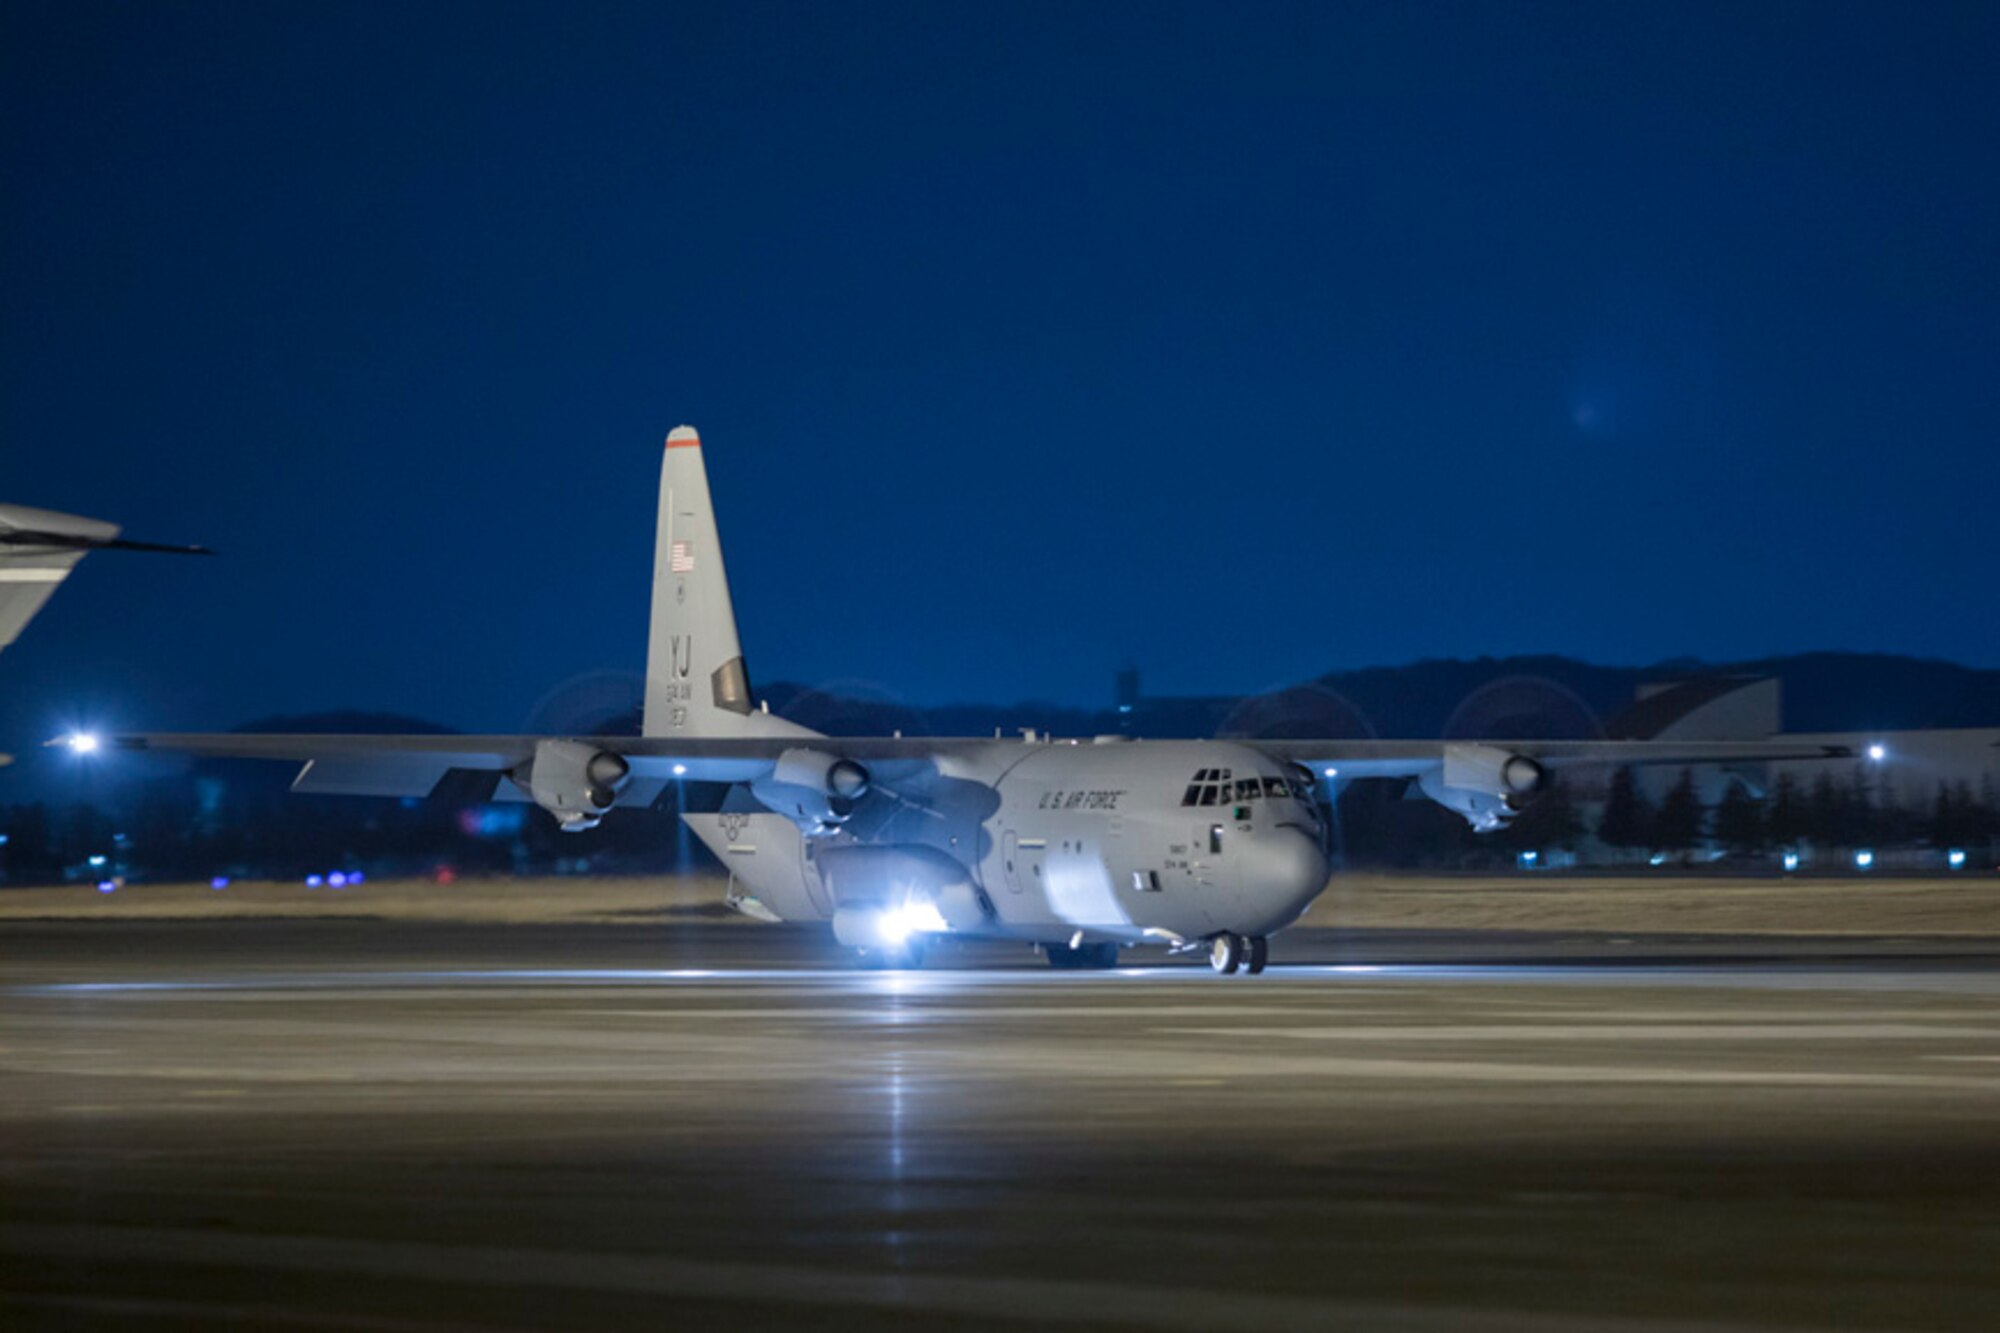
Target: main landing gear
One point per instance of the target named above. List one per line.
(1228, 951)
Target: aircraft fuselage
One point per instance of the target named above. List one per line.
(1114, 841)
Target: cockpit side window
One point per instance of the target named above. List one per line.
(1275, 788)
(1247, 789)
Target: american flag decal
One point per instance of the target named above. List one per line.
(680, 560)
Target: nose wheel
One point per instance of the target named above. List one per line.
(1229, 952)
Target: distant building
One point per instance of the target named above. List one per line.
(1899, 769)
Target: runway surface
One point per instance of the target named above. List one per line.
(356, 1125)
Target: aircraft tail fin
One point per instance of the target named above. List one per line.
(696, 683)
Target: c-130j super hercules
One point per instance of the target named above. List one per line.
(1080, 847)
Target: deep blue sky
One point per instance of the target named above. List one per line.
(1242, 341)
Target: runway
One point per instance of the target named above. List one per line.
(360, 1125)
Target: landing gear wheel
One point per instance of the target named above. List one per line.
(1259, 954)
(1225, 953)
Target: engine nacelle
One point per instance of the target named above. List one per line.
(883, 895)
(1487, 785)
(574, 782)
(815, 789)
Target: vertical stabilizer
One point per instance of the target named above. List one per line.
(696, 683)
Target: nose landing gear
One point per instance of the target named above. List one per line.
(1229, 951)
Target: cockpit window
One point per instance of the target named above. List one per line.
(1275, 788)
(1247, 789)
(1210, 786)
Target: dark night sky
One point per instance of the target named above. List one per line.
(1243, 341)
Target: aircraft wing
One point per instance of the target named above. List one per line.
(1405, 759)
(365, 765)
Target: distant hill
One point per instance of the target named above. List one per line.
(1538, 695)
(1485, 696)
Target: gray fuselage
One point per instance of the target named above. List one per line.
(1125, 841)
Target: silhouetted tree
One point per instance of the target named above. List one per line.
(1739, 822)
(1627, 821)
(1678, 827)
(1956, 818)
(1895, 822)
(1787, 819)
(1860, 812)
(29, 856)
(1552, 821)
(1826, 814)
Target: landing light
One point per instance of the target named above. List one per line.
(1791, 860)
(1877, 753)
(1864, 860)
(915, 916)
(1955, 858)
(80, 742)
(680, 770)
(1333, 772)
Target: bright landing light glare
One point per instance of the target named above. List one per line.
(917, 915)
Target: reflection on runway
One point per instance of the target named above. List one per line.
(1875, 974)
(526, 1129)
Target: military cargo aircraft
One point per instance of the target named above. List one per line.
(39, 548)
(1082, 847)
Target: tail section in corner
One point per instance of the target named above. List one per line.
(696, 683)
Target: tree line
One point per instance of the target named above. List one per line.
(228, 826)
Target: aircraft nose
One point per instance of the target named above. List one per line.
(1287, 869)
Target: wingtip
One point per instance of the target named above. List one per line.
(683, 437)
